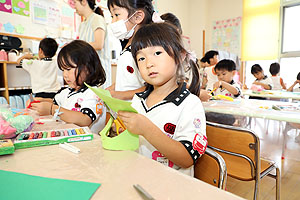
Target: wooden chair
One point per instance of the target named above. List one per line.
(211, 168)
(240, 148)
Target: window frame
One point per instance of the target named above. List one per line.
(286, 4)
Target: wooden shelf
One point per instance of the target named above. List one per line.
(20, 88)
(9, 62)
(21, 36)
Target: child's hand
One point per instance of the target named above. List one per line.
(43, 108)
(135, 123)
(297, 81)
(218, 84)
(256, 83)
(204, 95)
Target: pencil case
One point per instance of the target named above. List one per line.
(123, 141)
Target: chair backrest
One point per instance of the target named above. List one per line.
(239, 147)
(211, 168)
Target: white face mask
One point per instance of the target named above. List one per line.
(120, 31)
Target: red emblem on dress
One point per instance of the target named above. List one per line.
(169, 128)
(130, 69)
(200, 143)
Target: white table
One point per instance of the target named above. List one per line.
(274, 94)
(117, 171)
(258, 109)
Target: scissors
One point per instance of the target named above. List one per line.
(118, 122)
(32, 101)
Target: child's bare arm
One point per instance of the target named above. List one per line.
(26, 56)
(290, 89)
(171, 149)
(230, 88)
(69, 116)
(265, 86)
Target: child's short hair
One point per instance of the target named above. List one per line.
(225, 64)
(133, 5)
(82, 56)
(274, 68)
(49, 47)
(298, 76)
(256, 68)
(210, 54)
(172, 19)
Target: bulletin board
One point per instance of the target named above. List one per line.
(38, 18)
(226, 35)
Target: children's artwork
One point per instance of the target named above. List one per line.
(226, 35)
(5, 6)
(39, 13)
(8, 27)
(21, 7)
(102, 3)
(54, 15)
(154, 2)
(67, 16)
(20, 29)
(1, 26)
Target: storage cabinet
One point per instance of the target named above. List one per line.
(12, 78)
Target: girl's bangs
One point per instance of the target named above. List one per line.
(65, 63)
(148, 37)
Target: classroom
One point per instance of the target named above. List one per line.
(149, 99)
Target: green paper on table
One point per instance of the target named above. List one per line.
(125, 140)
(22, 186)
(113, 103)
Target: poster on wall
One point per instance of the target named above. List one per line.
(54, 17)
(154, 2)
(39, 15)
(102, 3)
(227, 35)
(67, 16)
(20, 7)
(5, 6)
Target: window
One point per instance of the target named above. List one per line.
(291, 29)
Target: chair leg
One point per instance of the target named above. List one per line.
(278, 183)
(256, 188)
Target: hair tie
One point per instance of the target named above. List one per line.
(156, 18)
(192, 56)
(95, 7)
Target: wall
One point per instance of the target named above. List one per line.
(220, 10)
(198, 15)
(36, 29)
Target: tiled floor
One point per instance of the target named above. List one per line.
(273, 143)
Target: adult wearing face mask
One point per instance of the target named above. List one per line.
(94, 31)
(127, 17)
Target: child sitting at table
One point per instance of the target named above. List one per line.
(43, 72)
(225, 70)
(261, 78)
(77, 104)
(278, 83)
(178, 138)
(211, 57)
(291, 89)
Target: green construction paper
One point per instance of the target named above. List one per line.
(23, 186)
(113, 103)
(124, 141)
